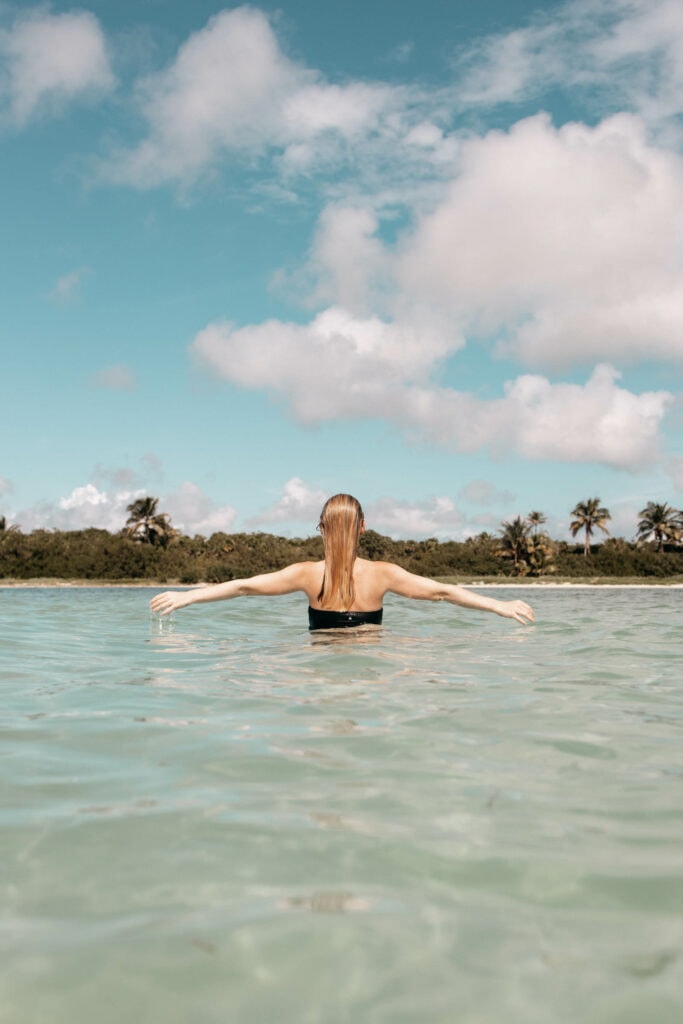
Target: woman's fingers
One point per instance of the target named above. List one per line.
(524, 612)
(521, 612)
(163, 603)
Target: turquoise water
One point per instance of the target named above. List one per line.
(223, 818)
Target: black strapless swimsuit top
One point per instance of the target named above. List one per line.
(319, 618)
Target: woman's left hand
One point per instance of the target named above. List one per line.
(518, 610)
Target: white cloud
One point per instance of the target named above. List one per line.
(629, 53)
(347, 258)
(568, 239)
(114, 378)
(6, 486)
(194, 512)
(224, 91)
(233, 93)
(84, 507)
(301, 502)
(597, 422)
(80, 497)
(231, 89)
(564, 244)
(190, 509)
(298, 503)
(434, 517)
(339, 366)
(50, 60)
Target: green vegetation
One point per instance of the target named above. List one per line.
(149, 548)
(662, 522)
(531, 551)
(587, 515)
(145, 523)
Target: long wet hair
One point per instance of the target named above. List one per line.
(340, 525)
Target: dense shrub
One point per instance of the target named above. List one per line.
(97, 554)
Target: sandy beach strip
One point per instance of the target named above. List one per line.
(11, 584)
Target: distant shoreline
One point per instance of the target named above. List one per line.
(607, 582)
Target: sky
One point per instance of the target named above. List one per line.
(429, 253)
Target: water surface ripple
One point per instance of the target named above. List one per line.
(225, 818)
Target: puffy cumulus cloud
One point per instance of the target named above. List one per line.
(628, 52)
(342, 367)
(338, 365)
(233, 93)
(301, 502)
(113, 378)
(563, 244)
(225, 90)
(192, 511)
(567, 240)
(49, 60)
(434, 517)
(596, 422)
(231, 89)
(298, 503)
(347, 259)
(84, 507)
(350, 110)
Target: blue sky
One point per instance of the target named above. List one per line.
(430, 253)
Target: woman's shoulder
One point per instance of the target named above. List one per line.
(375, 568)
(310, 570)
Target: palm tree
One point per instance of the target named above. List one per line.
(536, 519)
(146, 524)
(5, 529)
(587, 515)
(540, 554)
(660, 521)
(513, 543)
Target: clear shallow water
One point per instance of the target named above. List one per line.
(223, 818)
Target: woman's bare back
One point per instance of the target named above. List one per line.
(369, 585)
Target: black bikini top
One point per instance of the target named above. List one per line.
(319, 618)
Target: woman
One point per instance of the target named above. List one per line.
(343, 590)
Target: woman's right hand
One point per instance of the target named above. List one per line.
(170, 601)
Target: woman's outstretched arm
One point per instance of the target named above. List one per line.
(407, 584)
(284, 581)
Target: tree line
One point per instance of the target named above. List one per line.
(149, 547)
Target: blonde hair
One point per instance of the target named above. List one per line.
(340, 525)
